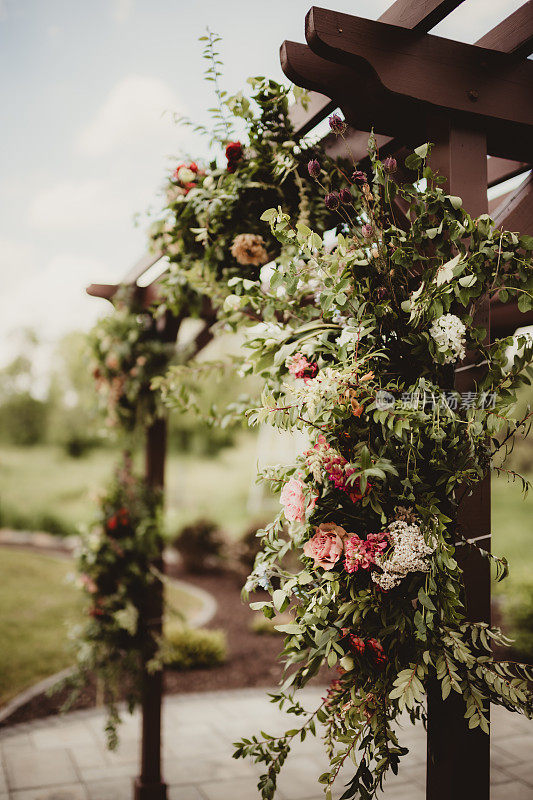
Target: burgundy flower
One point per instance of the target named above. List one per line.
(390, 164)
(337, 124)
(332, 201)
(346, 196)
(367, 230)
(234, 153)
(357, 644)
(359, 176)
(314, 168)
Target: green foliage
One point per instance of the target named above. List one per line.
(192, 648)
(23, 419)
(394, 451)
(117, 574)
(127, 355)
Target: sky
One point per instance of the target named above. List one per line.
(86, 114)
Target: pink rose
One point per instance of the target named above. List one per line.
(88, 583)
(326, 546)
(294, 499)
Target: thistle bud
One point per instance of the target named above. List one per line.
(390, 165)
(314, 168)
(359, 176)
(346, 196)
(332, 201)
(367, 230)
(337, 124)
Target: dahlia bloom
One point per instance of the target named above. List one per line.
(249, 249)
(326, 546)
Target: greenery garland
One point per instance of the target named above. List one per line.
(363, 360)
(115, 566)
(210, 228)
(127, 354)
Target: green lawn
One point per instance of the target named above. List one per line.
(41, 481)
(512, 530)
(38, 603)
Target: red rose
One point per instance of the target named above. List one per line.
(112, 523)
(233, 154)
(193, 166)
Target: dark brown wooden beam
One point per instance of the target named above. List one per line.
(515, 213)
(104, 290)
(505, 318)
(428, 69)
(305, 119)
(501, 169)
(419, 15)
(514, 34)
(458, 764)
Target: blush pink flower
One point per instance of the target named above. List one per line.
(300, 367)
(326, 546)
(88, 583)
(362, 553)
(294, 499)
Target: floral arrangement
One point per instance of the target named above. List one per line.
(358, 348)
(127, 354)
(116, 573)
(210, 227)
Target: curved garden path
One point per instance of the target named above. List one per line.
(64, 758)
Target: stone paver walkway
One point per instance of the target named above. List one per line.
(64, 758)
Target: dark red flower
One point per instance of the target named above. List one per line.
(314, 168)
(337, 124)
(332, 201)
(367, 230)
(357, 644)
(112, 523)
(346, 196)
(234, 153)
(390, 164)
(359, 176)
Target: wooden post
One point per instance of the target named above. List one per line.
(149, 785)
(458, 763)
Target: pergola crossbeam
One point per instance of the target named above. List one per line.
(514, 34)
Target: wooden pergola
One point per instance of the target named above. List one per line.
(475, 102)
(472, 101)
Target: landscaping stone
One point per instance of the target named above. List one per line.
(64, 758)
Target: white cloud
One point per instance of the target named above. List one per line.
(122, 10)
(51, 299)
(133, 113)
(78, 206)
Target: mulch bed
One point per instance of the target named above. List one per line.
(252, 658)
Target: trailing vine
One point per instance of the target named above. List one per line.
(361, 356)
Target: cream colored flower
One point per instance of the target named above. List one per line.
(249, 249)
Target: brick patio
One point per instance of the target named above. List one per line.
(64, 758)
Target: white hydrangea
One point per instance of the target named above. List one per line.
(408, 554)
(448, 333)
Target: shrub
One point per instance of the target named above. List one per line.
(519, 620)
(190, 648)
(249, 545)
(20, 520)
(263, 626)
(199, 545)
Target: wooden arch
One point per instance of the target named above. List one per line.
(472, 101)
(409, 86)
